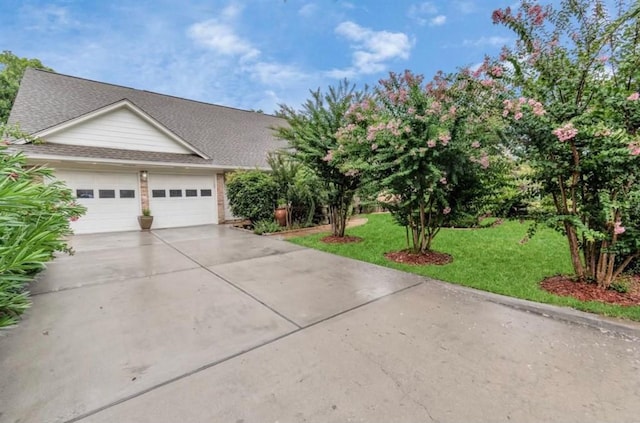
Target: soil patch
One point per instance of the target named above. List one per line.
(584, 291)
(340, 239)
(407, 257)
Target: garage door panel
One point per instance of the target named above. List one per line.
(188, 200)
(104, 214)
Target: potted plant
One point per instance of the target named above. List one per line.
(281, 214)
(145, 220)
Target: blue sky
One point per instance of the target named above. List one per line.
(250, 54)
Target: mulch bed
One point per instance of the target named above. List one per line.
(407, 257)
(340, 239)
(583, 291)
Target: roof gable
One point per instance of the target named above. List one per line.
(120, 125)
(229, 137)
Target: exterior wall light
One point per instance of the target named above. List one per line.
(143, 175)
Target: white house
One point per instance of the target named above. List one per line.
(122, 149)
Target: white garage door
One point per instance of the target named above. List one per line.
(112, 200)
(182, 200)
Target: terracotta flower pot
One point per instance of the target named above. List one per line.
(145, 222)
(281, 216)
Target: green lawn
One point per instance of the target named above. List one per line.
(491, 259)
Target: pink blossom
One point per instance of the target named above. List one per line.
(431, 143)
(505, 113)
(484, 161)
(444, 138)
(475, 144)
(618, 228)
(443, 180)
(634, 148)
(497, 71)
(329, 156)
(73, 218)
(634, 97)
(565, 132)
(538, 109)
(518, 116)
(536, 14)
(411, 110)
(446, 210)
(487, 82)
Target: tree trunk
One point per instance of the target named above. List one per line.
(574, 249)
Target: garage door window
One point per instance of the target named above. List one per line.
(127, 193)
(175, 193)
(191, 192)
(158, 193)
(107, 193)
(84, 193)
(205, 193)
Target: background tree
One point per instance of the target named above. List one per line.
(576, 71)
(12, 68)
(311, 133)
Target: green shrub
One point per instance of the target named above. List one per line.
(266, 227)
(34, 219)
(252, 194)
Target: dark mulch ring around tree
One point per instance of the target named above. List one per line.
(584, 291)
(340, 239)
(420, 259)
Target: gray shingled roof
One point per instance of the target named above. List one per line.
(230, 137)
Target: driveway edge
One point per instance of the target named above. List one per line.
(604, 324)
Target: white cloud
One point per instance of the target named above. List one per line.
(221, 38)
(494, 41)
(372, 48)
(424, 8)
(231, 11)
(465, 7)
(49, 18)
(273, 73)
(438, 20)
(420, 11)
(308, 10)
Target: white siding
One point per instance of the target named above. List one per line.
(120, 128)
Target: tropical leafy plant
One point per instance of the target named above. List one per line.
(35, 211)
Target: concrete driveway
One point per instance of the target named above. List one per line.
(209, 324)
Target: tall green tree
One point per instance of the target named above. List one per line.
(311, 134)
(12, 68)
(576, 116)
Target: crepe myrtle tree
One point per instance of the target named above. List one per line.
(311, 134)
(575, 118)
(411, 143)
